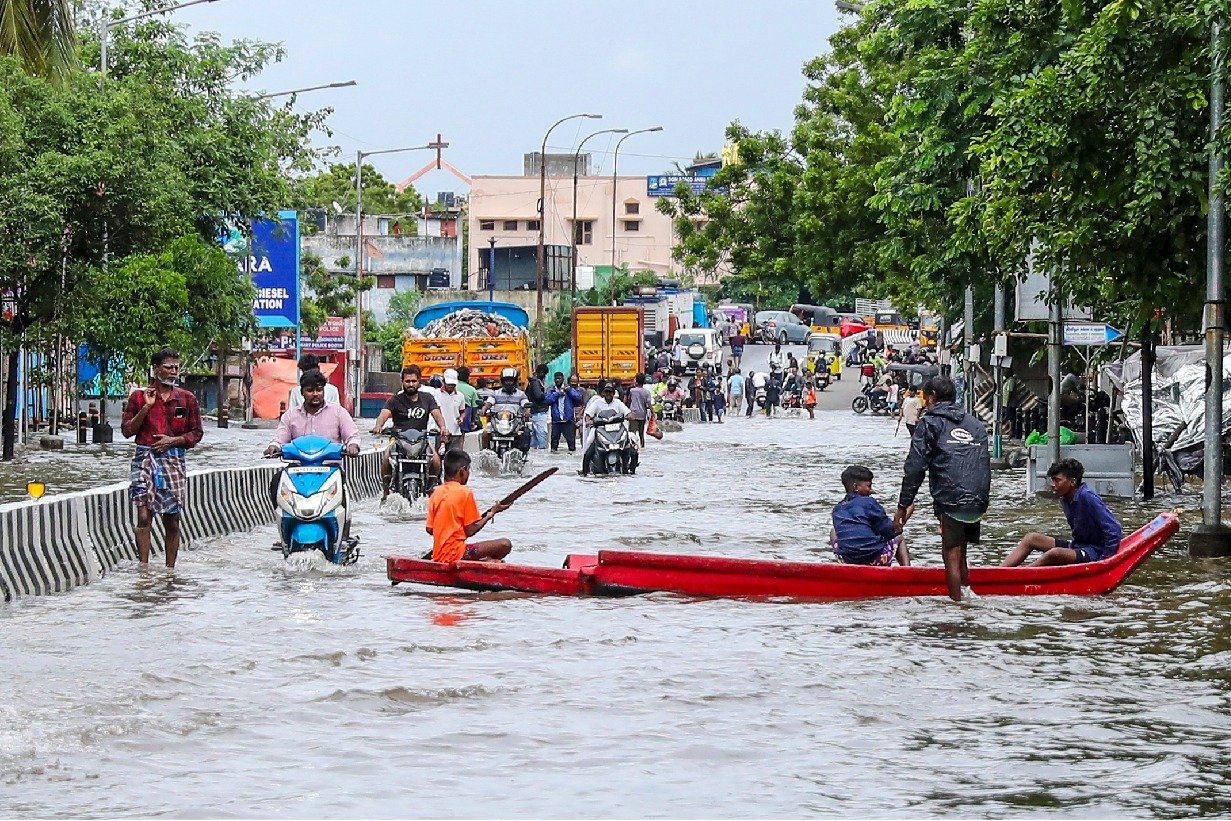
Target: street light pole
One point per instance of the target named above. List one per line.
(107, 25)
(576, 160)
(271, 95)
(615, 170)
(541, 267)
(359, 155)
(1213, 538)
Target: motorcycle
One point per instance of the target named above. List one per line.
(670, 411)
(876, 400)
(613, 446)
(793, 400)
(311, 496)
(411, 461)
(508, 424)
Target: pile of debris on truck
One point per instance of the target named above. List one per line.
(467, 323)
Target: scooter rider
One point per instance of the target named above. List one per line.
(674, 392)
(315, 417)
(606, 399)
(509, 394)
(411, 409)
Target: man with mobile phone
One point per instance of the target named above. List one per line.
(166, 421)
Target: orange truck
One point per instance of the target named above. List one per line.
(608, 343)
(485, 356)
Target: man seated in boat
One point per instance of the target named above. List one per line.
(453, 516)
(1096, 533)
(863, 533)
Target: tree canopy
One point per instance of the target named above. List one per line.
(939, 141)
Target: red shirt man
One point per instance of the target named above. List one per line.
(166, 421)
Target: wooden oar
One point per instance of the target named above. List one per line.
(524, 489)
(515, 495)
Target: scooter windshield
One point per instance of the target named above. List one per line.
(312, 450)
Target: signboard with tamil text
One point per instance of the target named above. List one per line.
(331, 336)
(1089, 333)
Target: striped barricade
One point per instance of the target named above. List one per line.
(59, 542)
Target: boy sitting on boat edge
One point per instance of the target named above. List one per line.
(452, 516)
(1096, 532)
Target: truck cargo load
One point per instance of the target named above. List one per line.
(607, 343)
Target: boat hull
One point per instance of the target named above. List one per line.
(616, 573)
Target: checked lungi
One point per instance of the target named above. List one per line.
(159, 481)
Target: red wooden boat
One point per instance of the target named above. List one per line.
(616, 573)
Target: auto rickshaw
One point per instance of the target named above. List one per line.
(823, 351)
(915, 375)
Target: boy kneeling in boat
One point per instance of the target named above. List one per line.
(1096, 533)
(862, 532)
(452, 515)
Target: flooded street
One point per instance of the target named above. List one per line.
(239, 685)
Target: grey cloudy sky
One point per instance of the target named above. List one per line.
(491, 77)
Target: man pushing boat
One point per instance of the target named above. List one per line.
(950, 446)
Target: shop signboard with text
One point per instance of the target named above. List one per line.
(271, 258)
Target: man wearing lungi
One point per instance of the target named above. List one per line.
(166, 421)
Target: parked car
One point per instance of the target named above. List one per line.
(780, 326)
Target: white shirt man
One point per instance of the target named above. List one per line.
(452, 404)
(296, 397)
(599, 403)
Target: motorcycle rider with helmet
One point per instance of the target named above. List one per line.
(606, 399)
(509, 394)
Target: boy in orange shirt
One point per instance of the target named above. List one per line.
(452, 515)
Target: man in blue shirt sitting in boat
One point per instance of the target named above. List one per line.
(863, 533)
(1096, 533)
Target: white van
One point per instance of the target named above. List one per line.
(699, 346)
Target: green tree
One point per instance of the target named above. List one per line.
(326, 293)
(40, 34)
(337, 184)
(403, 306)
(1097, 146)
(91, 175)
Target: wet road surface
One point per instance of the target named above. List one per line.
(241, 685)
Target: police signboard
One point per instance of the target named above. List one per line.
(272, 260)
(663, 185)
(331, 336)
(1089, 333)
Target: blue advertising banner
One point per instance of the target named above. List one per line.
(273, 262)
(663, 185)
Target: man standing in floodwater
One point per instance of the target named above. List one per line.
(950, 446)
(166, 421)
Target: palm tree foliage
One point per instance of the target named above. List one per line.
(41, 34)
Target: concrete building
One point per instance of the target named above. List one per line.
(397, 257)
(504, 208)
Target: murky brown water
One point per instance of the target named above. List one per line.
(241, 686)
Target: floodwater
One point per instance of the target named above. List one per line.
(240, 686)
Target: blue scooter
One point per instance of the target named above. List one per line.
(312, 498)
